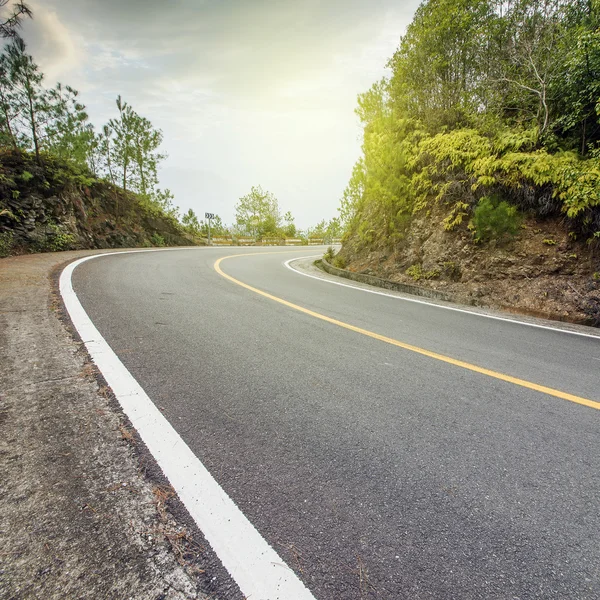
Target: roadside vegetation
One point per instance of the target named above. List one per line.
(485, 136)
(65, 184)
(490, 105)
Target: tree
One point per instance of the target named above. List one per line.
(190, 222)
(164, 201)
(353, 194)
(145, 142)
(217, 227)
(131, 145)
(69, 134)
(257, 213)
(105, 145)
(318, 231)
(29, 97)
(122, 130)
(334, 230)
(289, 229)
(8, 106)
(10, 24)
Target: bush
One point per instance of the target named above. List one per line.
(329, 254)
(6, 243)
(54, 239)
(157, 240)
(494, 220)
(417, 273)
(339, 262)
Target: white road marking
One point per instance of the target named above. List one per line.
(250, 560)
(443, 306)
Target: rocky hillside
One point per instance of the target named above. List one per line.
(540, 271)
(58, 207)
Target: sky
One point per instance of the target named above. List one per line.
(246, 92)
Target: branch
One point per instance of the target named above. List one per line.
(8, 29)
(521, 85)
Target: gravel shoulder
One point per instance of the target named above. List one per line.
(84, 511)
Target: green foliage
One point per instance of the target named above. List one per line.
(494, 220)
(53, 123)
(549, 242)
(289, 229)
(157, 240)
(339, 262)
(61, 240)
(486, 98)
(6, 243)
(329, 254)
(416, 272)
(191, 223)
(257, 213)
(54, 238)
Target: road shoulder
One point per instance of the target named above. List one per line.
(84, 511)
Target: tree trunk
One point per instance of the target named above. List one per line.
(34, 131)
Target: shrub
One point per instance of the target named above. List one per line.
(339, 262)
(417, 273)
(6, 243)
(329, 254)
(494, 220)
(157, 240)
(54, 239)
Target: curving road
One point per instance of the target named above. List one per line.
(375, 470)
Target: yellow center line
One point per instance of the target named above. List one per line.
(382, 338)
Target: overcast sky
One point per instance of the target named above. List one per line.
(246, 92)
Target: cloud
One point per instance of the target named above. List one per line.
(57, 50)
(245, 91)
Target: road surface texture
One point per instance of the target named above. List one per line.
(373, 470)
(82, 511)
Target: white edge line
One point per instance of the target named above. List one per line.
(433, 304)
(246, 555)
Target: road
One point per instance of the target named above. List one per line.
(375, 471)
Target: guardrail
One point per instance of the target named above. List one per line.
(222, 241)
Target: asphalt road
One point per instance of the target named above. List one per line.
(374, 471)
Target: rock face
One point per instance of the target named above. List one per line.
(54, 207)
(541, 271)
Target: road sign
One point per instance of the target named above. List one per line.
(209, 216)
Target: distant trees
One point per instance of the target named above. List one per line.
(257, 213)
(289, 228)
(326, 230)
(190, 222)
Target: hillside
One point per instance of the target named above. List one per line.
(61, 207)
(541, 272)
(480, 172)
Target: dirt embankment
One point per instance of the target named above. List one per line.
(55, 207)
(542, 271)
